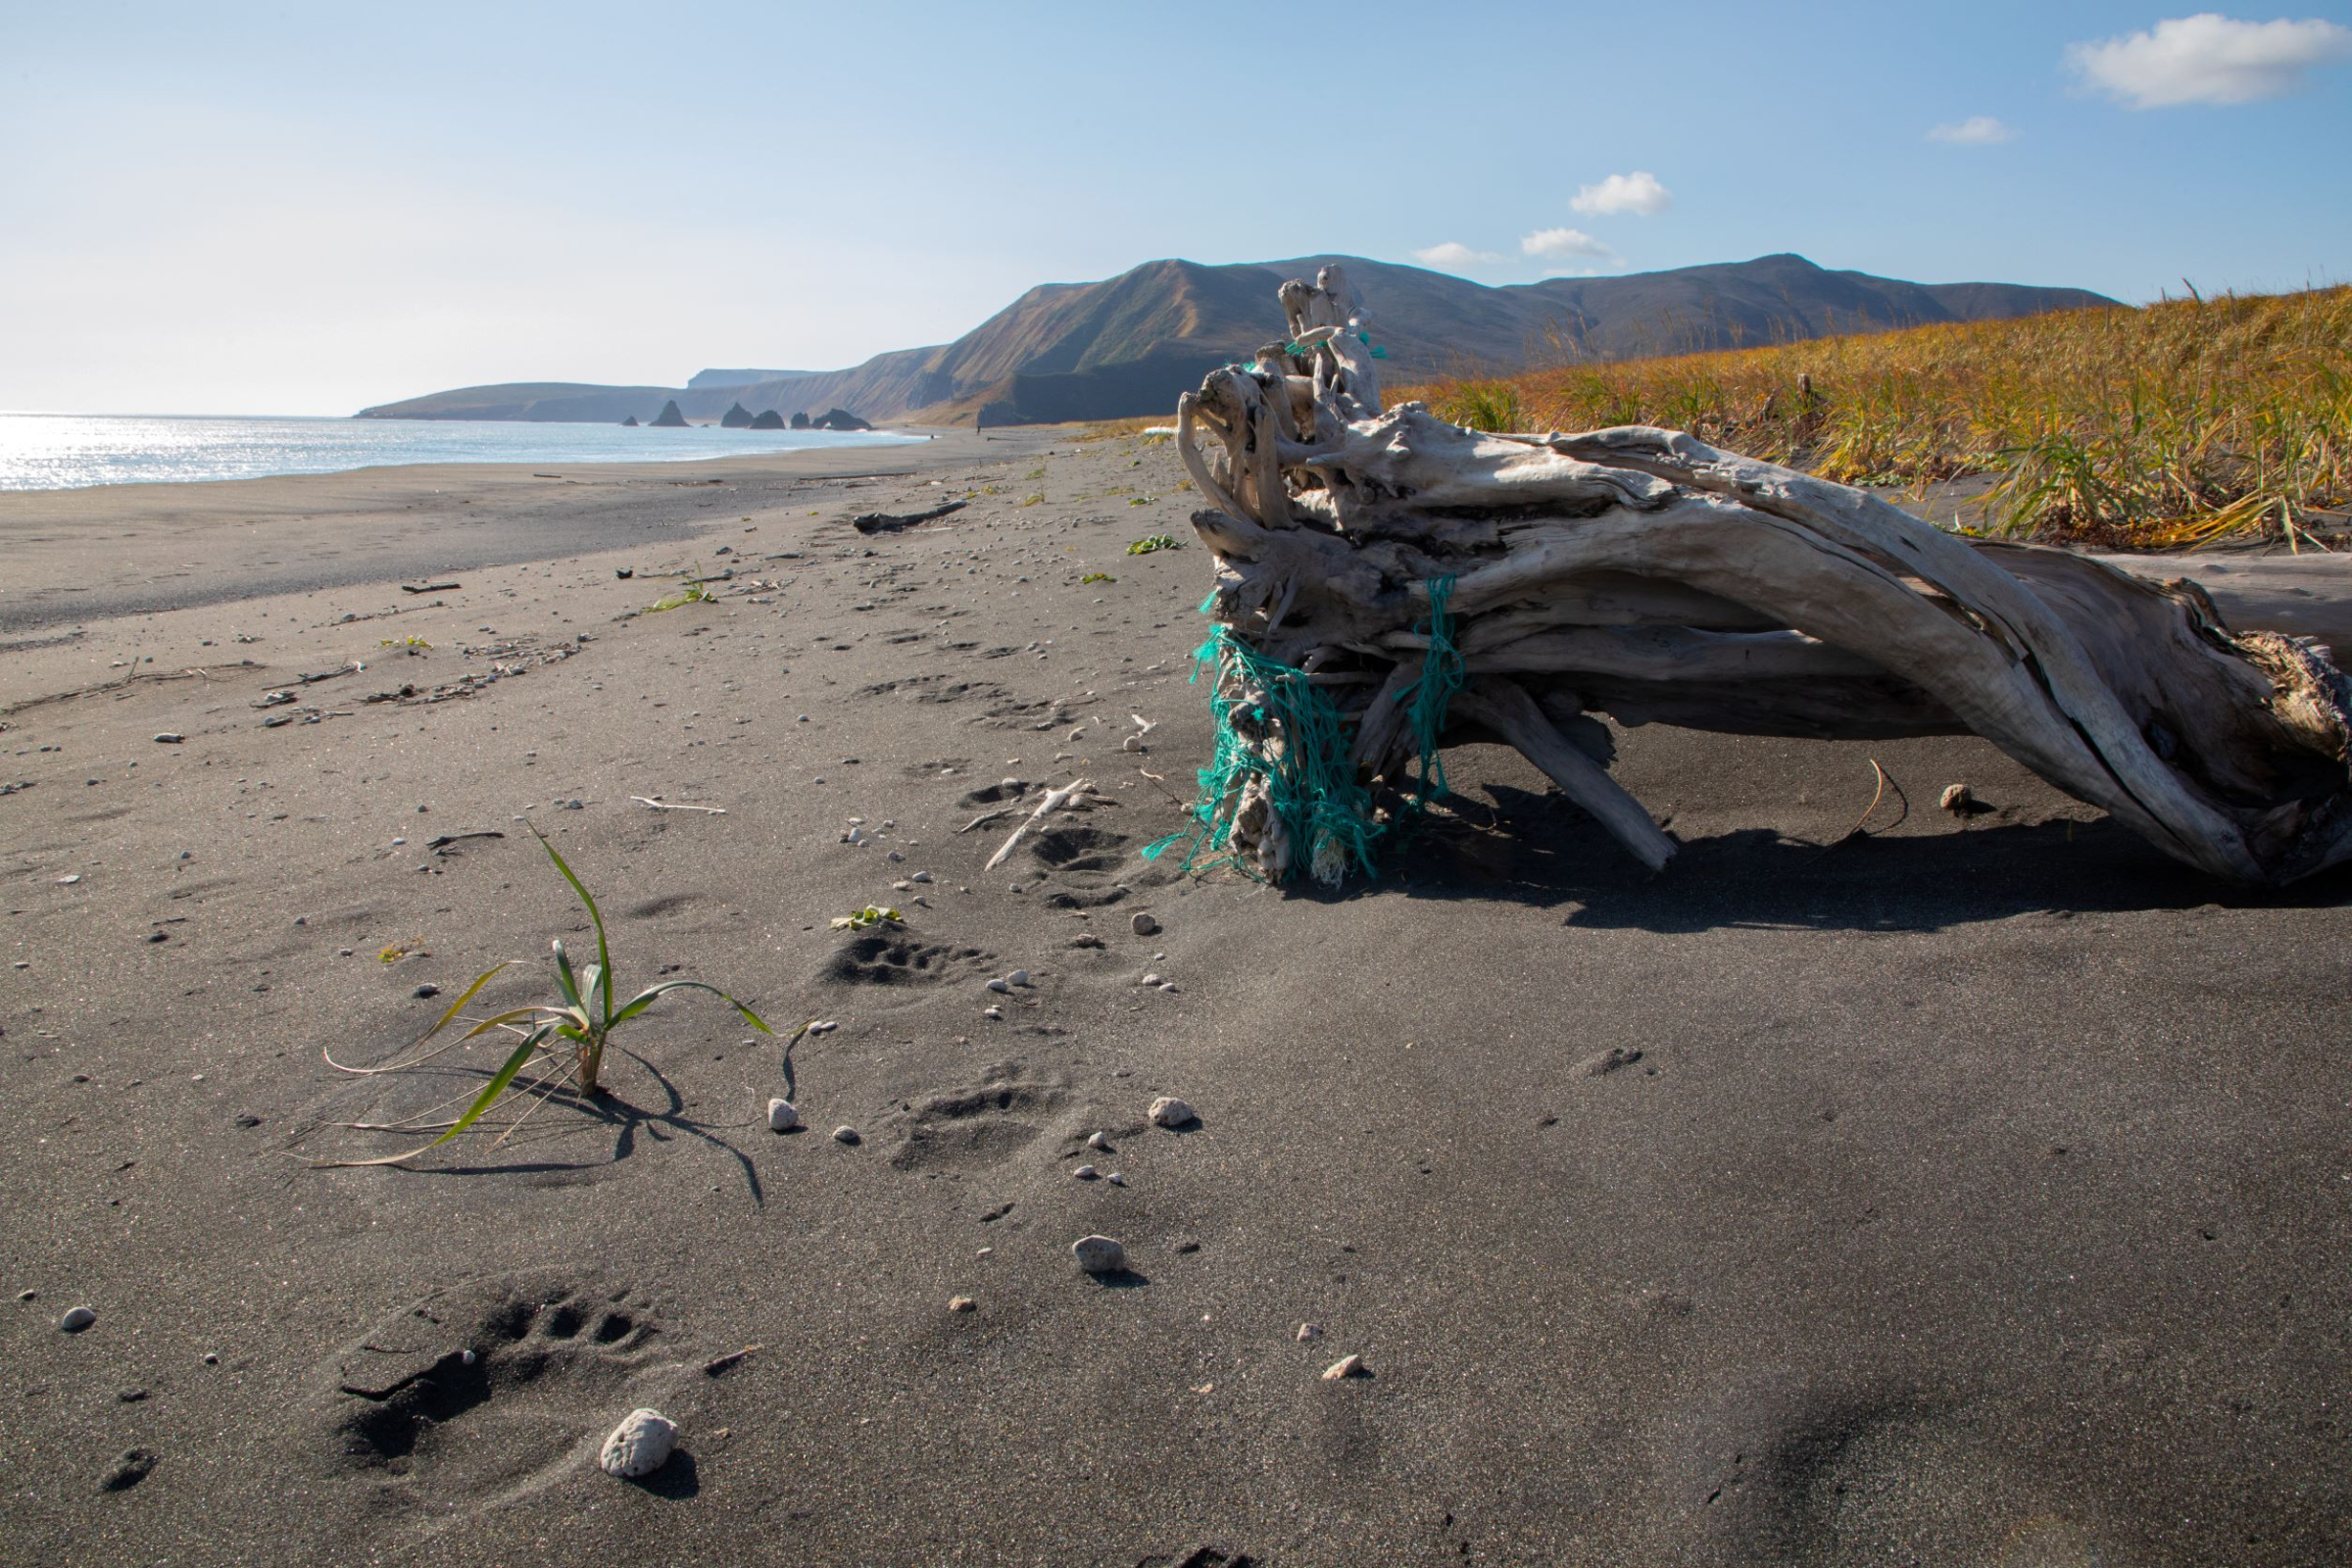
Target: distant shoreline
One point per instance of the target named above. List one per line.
(80, 556)
(54, 452)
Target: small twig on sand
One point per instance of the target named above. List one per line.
(430, 588)
(352, 668)
(441, 845)
(720, 1363)
(986, 818)
(658, 804)
(1054, 801)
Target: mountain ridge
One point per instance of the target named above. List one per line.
(1127, 345)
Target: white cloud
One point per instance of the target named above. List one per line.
(1638, 192)
(1574, 250)
(1454, 254)
(1977, 130)
(2208, 59)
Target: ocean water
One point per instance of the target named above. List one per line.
(68, 450)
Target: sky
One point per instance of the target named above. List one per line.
(308, 208)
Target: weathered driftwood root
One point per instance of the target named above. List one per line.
(1639, 573)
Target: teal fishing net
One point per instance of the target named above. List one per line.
(1273, 723)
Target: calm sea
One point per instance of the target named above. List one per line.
(67, 451)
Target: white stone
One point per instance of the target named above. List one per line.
(1346, 1366)
(1115, 1179)
(1098, 1254)
(992, 1013)
(1310, 1331)
(1149, 980)
(782, 1116)
(1018, 977)
(639, 1446)
(1169, 1111)
(962, 1303)
(1096, 1141)
(999, 986)
(1084, 1173)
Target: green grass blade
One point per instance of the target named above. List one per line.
(604, 956)
(652, 994)
(497, 1087)
(564, 978)
(439, 1025)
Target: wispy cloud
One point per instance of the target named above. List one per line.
(1570, 251)
(1977, 130)
(1638, 193)
(2208, 59)
(1453, 255)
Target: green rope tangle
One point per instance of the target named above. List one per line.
(1284, 753)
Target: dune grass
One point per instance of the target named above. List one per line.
(2170, 425)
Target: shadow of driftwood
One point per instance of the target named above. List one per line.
(1543, 852)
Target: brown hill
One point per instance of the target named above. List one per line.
(1127, 345)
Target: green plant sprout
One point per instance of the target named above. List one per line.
(1097, 576)
(1158, 541)
(559, 1041)
(694, 593)
(867, 918)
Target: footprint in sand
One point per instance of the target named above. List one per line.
(485, 1390)
(980, 1125)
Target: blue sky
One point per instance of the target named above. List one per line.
(308, 207)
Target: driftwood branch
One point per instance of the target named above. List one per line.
(1641, 574)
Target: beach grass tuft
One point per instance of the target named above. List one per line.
(556, 1041)
(2162, 427)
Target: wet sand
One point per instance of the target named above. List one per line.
(1973, 1191)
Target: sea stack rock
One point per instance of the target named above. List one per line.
(767, 420)
(840, 419)
(737, 418)
(629, 423)
(800, 419)
(669, 418)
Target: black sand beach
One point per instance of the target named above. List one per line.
(1969, 1190)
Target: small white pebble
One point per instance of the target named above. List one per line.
(1144, 924)
(1084, 1173)
(639, 1446)
(844, 1134)
(1310, 1331)
(1098, 1254)
(1169, 1111)
(1115, 1179)
(962, 1303)
(1346, 1366)
(782, 1116)
(1149, 980)
(1018, 977)
(1096, 1141)
(999, 986)
(992, 1013)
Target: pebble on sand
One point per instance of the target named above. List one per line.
(1018, 977)
(1144, 924)
(1957, 798)
(1096, 1141)
(639, 1446)
(1098, 1254)
(1310, 1331)
(782, 1116)
(1169, 1111)
(962, 1303)
(1000, 986)
(1346, 1366)
(1084, 1173)
(844, 1134)
(169, 738)
(76, 1319)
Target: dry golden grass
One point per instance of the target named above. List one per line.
(2175, 424)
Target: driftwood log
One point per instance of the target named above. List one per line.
(1641, 574)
